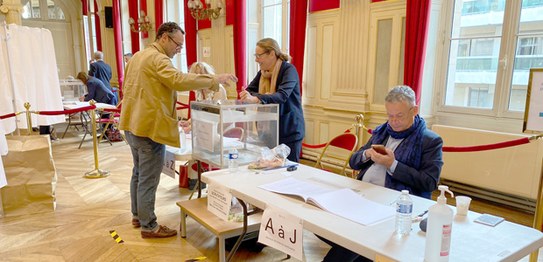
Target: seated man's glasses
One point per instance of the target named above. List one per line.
(177, 44)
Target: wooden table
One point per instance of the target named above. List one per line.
(197, 209)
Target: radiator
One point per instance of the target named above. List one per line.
(510, 175)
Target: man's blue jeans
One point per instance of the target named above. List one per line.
(148, 157)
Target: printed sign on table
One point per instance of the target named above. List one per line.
(169, 164)
(282, 231)
(219, 201)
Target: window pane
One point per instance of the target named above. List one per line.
(529, 51)
(272, 22)
(31, 10)
(474, 53)
(402, 55)
(54, 12)
(382, 61)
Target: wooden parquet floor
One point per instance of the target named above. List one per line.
(87, 209)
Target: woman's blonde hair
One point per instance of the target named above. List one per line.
(205, 68)
(201, 68)
(269, 44)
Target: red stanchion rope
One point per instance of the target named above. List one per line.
(320, 145)
(516, 142)
(7, 116)
(65, 112)
(477, 148)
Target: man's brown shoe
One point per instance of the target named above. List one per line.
(163, 231)
(136, 222)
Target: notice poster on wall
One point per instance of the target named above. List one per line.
(533, 114)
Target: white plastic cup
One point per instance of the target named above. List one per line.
(462, 205)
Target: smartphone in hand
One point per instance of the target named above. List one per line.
(379, 149)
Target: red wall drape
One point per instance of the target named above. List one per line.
(85, 7)
(190, 44)
(143, 7)
(319, 5)
(240, 43)
(97, 27)
(159, 13)
(117, 38)
(298, 20)
(133, 12)
(416, 30)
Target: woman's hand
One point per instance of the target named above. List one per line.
(248, 98)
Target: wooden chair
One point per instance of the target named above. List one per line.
(338, 151)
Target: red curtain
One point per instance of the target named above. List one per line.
(133, 12)
(190, 44)
(298, 20)
(97, 27)
(143, 7)
(85, 7)
(117, 38)
(159, 13)
(416, 29)
(240, 36)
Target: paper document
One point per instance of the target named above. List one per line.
(342, 202)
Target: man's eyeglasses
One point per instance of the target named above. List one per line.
(177, 44)
(261, 54)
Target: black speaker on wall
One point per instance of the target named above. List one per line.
(108, 11)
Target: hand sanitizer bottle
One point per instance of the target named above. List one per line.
(438, 232)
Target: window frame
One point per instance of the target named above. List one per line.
(504, 74)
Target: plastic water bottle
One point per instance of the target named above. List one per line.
(233, 160)
(404, 210)
(182, 140)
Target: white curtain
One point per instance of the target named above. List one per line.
(32, 69)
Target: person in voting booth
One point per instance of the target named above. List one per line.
(277, 82)
(412, 156)
(149, 119)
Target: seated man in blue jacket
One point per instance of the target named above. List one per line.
(412, 158)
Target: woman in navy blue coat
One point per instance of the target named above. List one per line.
(277, 82)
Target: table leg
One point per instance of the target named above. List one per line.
(222, 249)
(1, 206)
(183, 225)
(240, 238)
(199, 163)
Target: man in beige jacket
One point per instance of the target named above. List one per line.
(149, 119)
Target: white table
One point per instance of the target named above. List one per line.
(470, 241)
(84, 121)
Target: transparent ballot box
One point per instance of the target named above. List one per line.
(218, 128)
(72, 89)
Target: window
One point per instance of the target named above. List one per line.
(266, 18)
(482, 42)
(32, 9)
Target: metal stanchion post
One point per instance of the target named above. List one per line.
(359, 127)
(28, 119)
(97, 172)
(538, 217)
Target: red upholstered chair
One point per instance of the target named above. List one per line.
(337, 152)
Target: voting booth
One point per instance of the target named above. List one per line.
(219, 128)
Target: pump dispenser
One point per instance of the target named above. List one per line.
(439, 230)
